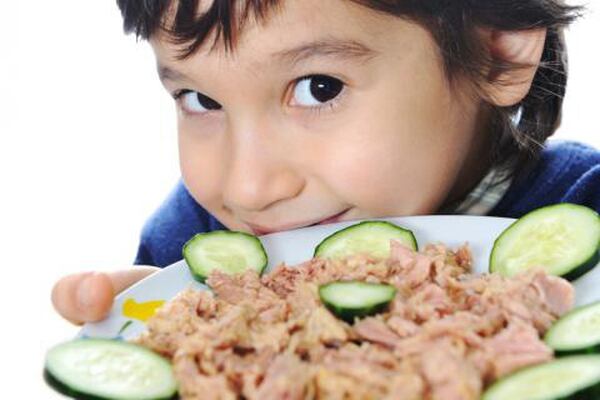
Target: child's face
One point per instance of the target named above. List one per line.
(378, 133)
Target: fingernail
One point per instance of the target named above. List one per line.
(84, 292)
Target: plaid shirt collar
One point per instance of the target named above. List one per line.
(482, 199)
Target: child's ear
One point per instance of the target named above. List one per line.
(508, 86)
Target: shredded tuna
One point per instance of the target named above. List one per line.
(376, 331)
(514, 347)
(446, 335)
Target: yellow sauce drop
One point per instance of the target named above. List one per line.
(141, 311)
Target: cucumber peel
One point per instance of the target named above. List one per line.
(563, 239)
(354, 299)
(568, 378)
(103, 369)
(577, 332)
(230, 252)
(368, 237)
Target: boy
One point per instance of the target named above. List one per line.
(301, 112)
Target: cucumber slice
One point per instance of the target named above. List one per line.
(354, 299)
(102, 369)
(569, 378)
(227, 251)
(370, 237)
(564, 239)
(576, 332)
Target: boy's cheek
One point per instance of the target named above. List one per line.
(398, 163)
(375, 175)
(200, 168)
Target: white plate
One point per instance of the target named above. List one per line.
(131, 307)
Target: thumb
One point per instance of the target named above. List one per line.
(88, 297)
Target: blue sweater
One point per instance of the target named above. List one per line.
(566, 172)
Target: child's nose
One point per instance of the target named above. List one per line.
(259, 175)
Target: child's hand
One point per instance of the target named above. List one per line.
(88, 296)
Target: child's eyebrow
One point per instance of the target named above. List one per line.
(348, 50)
(167, 74)
(334, 48)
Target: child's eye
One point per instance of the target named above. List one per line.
(195, 102)
(315, 90)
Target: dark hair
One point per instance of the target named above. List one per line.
(518, 131)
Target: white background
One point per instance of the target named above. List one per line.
(88, 150)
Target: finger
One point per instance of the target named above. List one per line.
(83, 297)
(88, 297)
(122, 279)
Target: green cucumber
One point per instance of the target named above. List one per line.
(102, 369)
(576, 332)
(353, 299)
(564, 239)
(370, 237)
(227, 251)
(568, 378)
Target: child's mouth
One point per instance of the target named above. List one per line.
(259, 231)
(331, 220)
